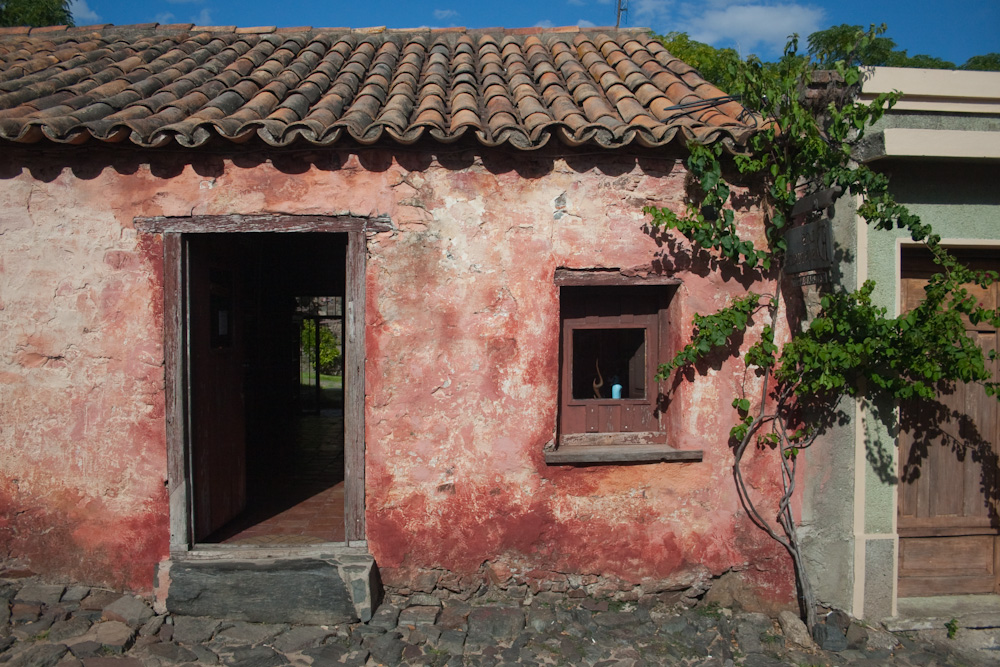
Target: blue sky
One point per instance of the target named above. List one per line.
(951, 30)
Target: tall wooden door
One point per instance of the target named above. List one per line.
(948, 498)
(215, 377)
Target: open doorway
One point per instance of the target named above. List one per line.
(267, 429)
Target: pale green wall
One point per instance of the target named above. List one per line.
(849, 501)
(961, 200)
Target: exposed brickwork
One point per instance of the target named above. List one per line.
(499, 582)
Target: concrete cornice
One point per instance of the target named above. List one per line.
(953, 91)
(933, 144)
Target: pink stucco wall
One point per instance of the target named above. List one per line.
(82, 437)
(462, 370)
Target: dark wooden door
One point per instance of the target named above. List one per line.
(216, 359)
(948, 498)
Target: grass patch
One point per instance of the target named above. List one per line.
(325, 381)
(709, 610)
(621, 605)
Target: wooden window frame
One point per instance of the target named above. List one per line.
(591, 408)
(625, 445)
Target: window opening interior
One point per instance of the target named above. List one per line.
(609, 363)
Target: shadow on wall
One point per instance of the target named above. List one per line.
(925, 425)
(944, 183)
(87, 162)
(681, 256)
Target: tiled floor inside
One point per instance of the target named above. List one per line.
(304, 499)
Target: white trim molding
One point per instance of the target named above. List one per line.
(914, 143)
(954, 91)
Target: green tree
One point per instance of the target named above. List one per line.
(989, 62)
(35, 13)
(921, 60)
(837, 43)
(825, 47)
(840, 43)
(716, 65)
(329, 350)
(799, 369)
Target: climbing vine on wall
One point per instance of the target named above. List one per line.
(848, 346)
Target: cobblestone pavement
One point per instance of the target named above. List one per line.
(42, 625)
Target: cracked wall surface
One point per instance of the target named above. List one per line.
(462, 322)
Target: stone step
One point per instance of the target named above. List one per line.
(337, 585)
(966, 611)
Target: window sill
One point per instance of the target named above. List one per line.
(576, 455)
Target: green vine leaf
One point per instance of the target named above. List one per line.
(851, 346)
(712, 332)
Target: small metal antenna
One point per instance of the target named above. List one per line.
(622, 13)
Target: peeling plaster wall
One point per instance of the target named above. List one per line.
(461, 376)
(82, 449)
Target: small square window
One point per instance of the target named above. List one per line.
(612, 345)
(613, 337)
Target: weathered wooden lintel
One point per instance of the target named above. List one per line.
(620, 454)
(222, 224)
(600, 277)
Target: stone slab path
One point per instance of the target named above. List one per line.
(45, 625)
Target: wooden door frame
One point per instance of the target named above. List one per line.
(177, 388)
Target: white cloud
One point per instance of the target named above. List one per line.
(82, 14)
(547, 24)
(576, 3)
(442, 14)
(746, 24)
(204, 17)
(651, 11)
(753, 27)
(164, 17)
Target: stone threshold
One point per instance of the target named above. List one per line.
(969, 611)
(315, 586)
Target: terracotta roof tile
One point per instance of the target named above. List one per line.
(257, 30)
(51, 28)
(156, 84)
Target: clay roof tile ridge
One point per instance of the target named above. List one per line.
(158, 84)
